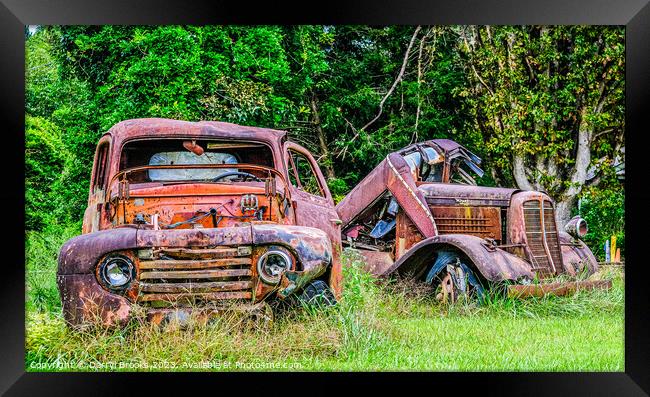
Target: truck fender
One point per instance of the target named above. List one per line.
(492, 263)
(576, 256)
(80, 254)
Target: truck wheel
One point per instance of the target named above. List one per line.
(453, 279)
(317, 293)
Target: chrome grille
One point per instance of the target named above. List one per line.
(541, 234)
(179, 275)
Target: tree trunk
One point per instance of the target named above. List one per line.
(563, 211)
(579, 174)
(519, 172)
(322, 141)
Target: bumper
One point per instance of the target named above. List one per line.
(557, 289)
(87, 303)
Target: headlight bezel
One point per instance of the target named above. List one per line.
(124, 263)
(577, 227)
(269, 254)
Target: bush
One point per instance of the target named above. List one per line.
(604, 211)
(44, 159)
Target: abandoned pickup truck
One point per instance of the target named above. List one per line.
(420, 214)
(197, 216)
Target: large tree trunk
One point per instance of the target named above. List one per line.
(326, 159)
(563, 211)
(579, 173)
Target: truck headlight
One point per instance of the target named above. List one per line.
(272, 264)
(116, 272)
(577, 227)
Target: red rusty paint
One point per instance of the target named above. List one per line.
(486, 224)
(196, 242)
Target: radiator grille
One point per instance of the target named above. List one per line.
(191, 276)
(541, 234)
(552, 240)
(478, 221)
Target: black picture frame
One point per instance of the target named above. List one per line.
(634, 14)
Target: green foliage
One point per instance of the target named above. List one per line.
(498, 90)
(44, 160)
(604, 211)
(41, 250)
(535, 89)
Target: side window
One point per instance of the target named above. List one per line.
(302, 175)
(101, 166)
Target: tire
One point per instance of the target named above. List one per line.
(454, 279)
(317, 293)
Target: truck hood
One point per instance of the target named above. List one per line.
(452, 194)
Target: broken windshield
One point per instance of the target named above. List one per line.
(426, 163)
(196, 154)
(463, 170)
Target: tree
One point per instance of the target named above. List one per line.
(548, 101)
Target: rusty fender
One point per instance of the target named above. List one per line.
(576, 255)
(85, 301)
(312, 246)
(494, 264)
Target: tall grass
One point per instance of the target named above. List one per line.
(41, 250)
(378, 325)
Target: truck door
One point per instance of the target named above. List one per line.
(312, 202)
(98, 181)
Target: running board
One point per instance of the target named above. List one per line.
(557, 289)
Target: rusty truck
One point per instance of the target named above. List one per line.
(420, 214)
(187, 217)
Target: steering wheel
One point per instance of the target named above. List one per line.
(244, 175)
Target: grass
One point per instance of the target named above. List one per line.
(377, 326)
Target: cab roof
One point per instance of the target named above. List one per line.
(168, 128)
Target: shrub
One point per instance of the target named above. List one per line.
(44, 160)
(604, 211)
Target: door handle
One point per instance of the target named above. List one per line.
(336, 221)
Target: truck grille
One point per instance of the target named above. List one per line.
(478, 221)
(541, 233)
(180, 275)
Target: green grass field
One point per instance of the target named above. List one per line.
(389, 326)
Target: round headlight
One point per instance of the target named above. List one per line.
(577, 227)
(272, 264)
(116, 272)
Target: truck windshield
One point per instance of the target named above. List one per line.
(179, 158)
(464, 171)
(178, 152)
